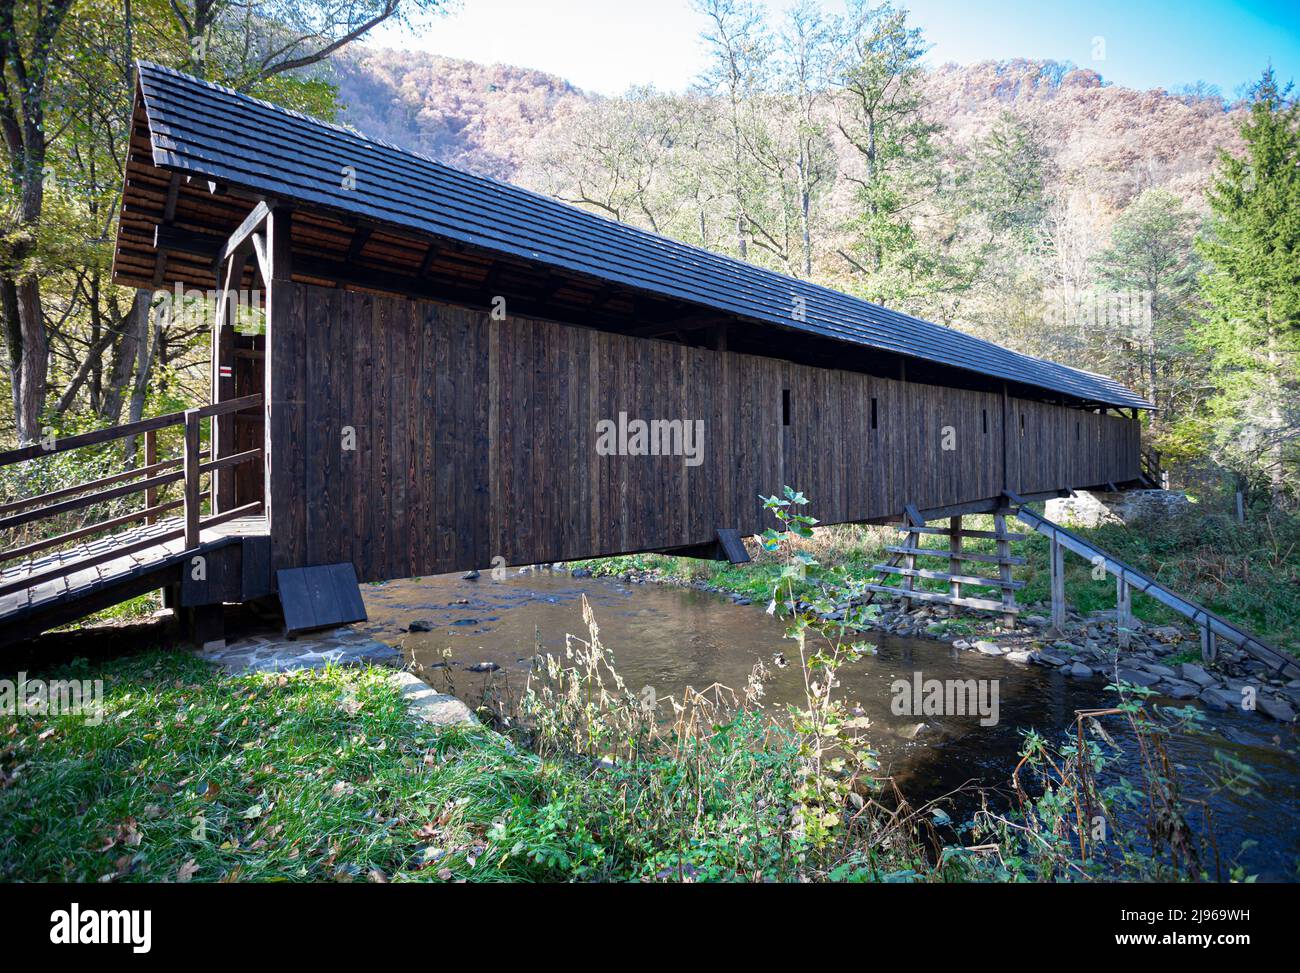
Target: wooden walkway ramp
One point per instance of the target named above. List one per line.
(55, 579)
(43, 593)
(1128, 579)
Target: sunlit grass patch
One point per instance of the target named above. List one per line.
(192, 775)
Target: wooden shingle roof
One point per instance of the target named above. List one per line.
(209, 131)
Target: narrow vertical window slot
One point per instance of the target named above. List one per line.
(785, 407)
(986, 420)
(873, 412)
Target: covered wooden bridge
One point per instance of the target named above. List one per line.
(434, 355)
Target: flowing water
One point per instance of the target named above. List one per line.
(671, 638)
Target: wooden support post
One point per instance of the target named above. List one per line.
(1004, 569)
(192, 498)
(207, 626)
(223, 379)
(1123, 609)
(909, 562)
(278, 445)
(954, 563)
(1056, 554)
(150, 458)
(1209, 643)
(1241, 508)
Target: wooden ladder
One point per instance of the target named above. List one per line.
(903, 563)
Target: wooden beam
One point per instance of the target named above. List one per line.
(278, 488)
(263, 259)
(964, 556)
(1217, 627)
(176, 240)
(169, 214)
(236, 240)
(984, 534)
(360, 236)
(1056, 560)
(1005, 560)
(732, 546)
(954, 561)
(984, 604)
(1123, 610)
(971, 579)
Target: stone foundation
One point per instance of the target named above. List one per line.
(1097, 509)
(269, 652)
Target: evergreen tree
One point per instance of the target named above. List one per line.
(1252, 288)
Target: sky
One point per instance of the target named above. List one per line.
(604, 46)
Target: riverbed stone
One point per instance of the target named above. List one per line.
(1018, 655)
(989, 648)
(1178, 689)
(1079, 671)
(1276, 709)
(1217, 697)
(1157, 669)
(1050, 657)
(1191, 672)
(427, 704)
(1137, 677)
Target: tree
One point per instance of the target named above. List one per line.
(878, 74)
(1151, 258)
(66, 83)
(804, 58)
(618, 156)
(27, 55)
(1010, 168)
(1252, 290)
(740, 47)
(247, 43)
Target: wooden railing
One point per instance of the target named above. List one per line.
(1128, 579)
(154, 475)
(1151, 468)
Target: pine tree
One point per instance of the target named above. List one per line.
(1252, 288)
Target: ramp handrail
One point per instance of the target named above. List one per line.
(1199, 614)
(147, 479)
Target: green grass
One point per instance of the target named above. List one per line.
(1249, 573)
(305, 777)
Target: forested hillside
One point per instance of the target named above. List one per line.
(478, 117)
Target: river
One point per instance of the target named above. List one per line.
(671, 638)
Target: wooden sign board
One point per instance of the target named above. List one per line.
(322, 596)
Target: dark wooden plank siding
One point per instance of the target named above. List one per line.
(477, 439)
